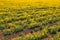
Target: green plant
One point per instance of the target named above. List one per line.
(52, 30)
(7, 32)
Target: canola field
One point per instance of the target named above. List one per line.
(29, 20)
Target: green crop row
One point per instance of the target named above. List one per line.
(15, 20)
